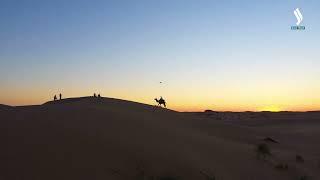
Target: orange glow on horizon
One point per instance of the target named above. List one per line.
(272, 108)
(186, 101)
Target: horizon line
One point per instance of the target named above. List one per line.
(203, 111)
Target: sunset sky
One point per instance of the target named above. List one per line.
(220, 55)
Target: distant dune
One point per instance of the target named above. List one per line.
(104, 138)
(4, 107)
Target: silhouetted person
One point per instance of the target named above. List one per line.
(94, 95)
(99, 96)
(60, 96)
(55, 97)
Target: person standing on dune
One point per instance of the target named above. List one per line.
(60, 95)
(55, 97)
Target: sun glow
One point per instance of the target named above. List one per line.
(272, 108)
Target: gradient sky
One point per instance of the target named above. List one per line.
(221, 55)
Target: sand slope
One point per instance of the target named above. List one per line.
(90, 138)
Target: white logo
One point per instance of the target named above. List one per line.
(298, 15)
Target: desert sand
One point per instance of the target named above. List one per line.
(90, 138)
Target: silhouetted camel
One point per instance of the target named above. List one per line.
(160, 101)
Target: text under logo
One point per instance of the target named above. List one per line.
(299, 17)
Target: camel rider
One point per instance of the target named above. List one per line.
(161, 99)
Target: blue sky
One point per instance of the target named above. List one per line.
(230, 55)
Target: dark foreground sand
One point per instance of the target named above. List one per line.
(89, 138)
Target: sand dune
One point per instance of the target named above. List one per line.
(91, 138)
(4, 107)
